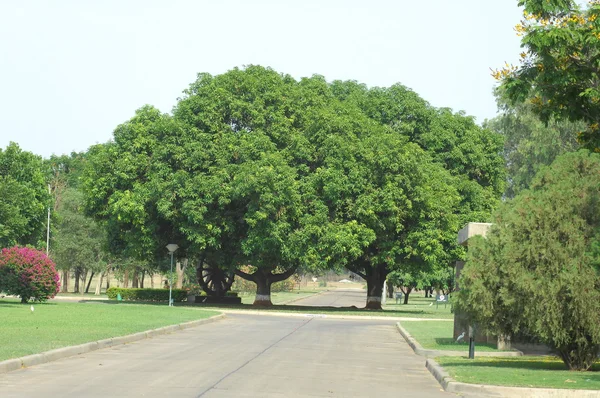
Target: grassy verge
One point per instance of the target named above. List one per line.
(540, 372)
(418, 303)
(60, 324)
(437, 335)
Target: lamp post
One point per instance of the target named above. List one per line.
(171, 247)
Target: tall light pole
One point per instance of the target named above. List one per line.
(171, 247)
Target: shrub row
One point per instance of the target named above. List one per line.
(146, 294)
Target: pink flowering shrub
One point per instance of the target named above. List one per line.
(28, 273)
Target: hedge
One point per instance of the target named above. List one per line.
(146, 294)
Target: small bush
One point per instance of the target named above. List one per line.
(146, 294)
(28, 273)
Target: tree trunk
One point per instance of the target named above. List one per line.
(99, 285)
(136, 279)
(65, 282)
(77, 275)
(504, 342)
(263, 292)
(180, 268)
(264, 279)
(126, 278)
(408, 290)
(375, 277)
(579, 357)
(390, 289)
(87, 288)
(151, 275)
(142, 280)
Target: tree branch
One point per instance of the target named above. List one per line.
(283, 276)
(357, 272)
(244, 275)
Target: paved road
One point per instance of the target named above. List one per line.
(241, 356)
(336, 298)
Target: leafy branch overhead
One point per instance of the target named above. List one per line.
(559, 68)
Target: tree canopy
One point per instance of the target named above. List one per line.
(538, 272)
(558, 71)
(255, 168)
(530, 144)
(25, 198)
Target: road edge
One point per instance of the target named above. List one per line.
(10, 365)
(453, 386)
(419, 350)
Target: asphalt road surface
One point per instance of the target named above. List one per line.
(242, 356)
(336, 298)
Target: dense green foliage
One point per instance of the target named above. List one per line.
(138, 294)
(558, 73)
(25, 198)
(538, 272)
(79, 243)
(531, 144)
(28, 273)
(460, 178)
(255, 168)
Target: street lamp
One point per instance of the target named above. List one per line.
(171, 247)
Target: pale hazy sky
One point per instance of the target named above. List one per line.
(71, 71)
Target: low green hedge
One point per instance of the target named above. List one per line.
(146, 294)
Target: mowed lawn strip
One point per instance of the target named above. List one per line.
(437, 335)
(539, 372)
(57, 324)
(417, 303)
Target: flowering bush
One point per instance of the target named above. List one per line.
(28, 273)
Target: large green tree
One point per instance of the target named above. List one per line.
(558, 72)
(530, 144)
(538, 272)
(79, 243)
(25, 198)
(225, 178)
(469, 153)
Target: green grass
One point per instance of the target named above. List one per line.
(437, 335)
(418, 303)
(541, 372)
(59, 324)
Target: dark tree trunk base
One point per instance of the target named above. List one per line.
(373, 303)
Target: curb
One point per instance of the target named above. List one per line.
(419, 350)
(48, 356)
(451, 385)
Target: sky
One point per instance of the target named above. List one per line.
(71, 71)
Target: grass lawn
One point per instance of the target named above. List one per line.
(548, 372)
(437, 335)
(59, 324)
(418, 303)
